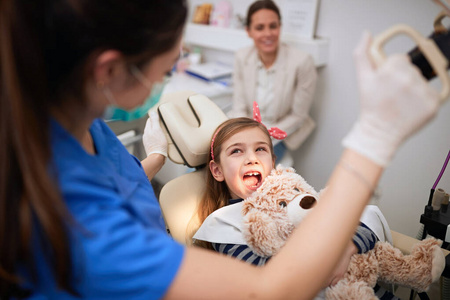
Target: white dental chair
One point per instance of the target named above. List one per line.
(189, 120)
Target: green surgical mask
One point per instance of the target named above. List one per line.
(116, 113)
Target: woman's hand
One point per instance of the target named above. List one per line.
(396, 101)
(154, 139)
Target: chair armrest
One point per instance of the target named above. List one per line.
(405, 243)
(179, 199)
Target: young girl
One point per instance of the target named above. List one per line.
(241, 157)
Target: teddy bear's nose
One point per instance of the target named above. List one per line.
(307, 202)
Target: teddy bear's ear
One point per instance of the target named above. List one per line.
(277, 171)
(262, 234)
(289, 170)
(248, 204)
(280, 170)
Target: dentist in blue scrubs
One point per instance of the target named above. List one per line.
(78, 216)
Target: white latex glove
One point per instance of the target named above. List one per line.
(396, 101)
(154, 139)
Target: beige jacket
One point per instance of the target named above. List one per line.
(295, 85)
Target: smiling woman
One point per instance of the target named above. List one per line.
(281, 78)
(264, 27)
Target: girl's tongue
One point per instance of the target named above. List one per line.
(252, 180)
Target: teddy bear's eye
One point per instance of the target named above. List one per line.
(296, 189)
(283, 204)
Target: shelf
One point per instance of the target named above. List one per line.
(230, 40)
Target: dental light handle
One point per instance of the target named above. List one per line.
(428, 56)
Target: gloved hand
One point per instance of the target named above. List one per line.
(396, 101)
(154, 139)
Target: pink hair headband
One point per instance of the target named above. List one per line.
(274, 132)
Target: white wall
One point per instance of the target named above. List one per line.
(406, 183)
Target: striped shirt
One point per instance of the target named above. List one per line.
(364, 239)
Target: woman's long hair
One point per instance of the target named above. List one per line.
(45, 51)
(216, 193)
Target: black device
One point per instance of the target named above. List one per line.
(442, 41)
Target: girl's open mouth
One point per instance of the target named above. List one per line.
(252, 179)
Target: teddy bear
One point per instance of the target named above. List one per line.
(273, 211)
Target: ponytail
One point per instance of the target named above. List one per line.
(46, 51)
(30, 204)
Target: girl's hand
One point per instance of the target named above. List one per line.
(341, 268)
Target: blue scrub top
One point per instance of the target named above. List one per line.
(120, 248)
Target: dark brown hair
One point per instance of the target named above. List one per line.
(45, 51)
(216, 193)
(261, 4)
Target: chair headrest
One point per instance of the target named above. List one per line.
(189, 121)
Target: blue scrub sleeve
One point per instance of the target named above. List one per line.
(120, 258)
(119, 245)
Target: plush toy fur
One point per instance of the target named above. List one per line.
(272, 212)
